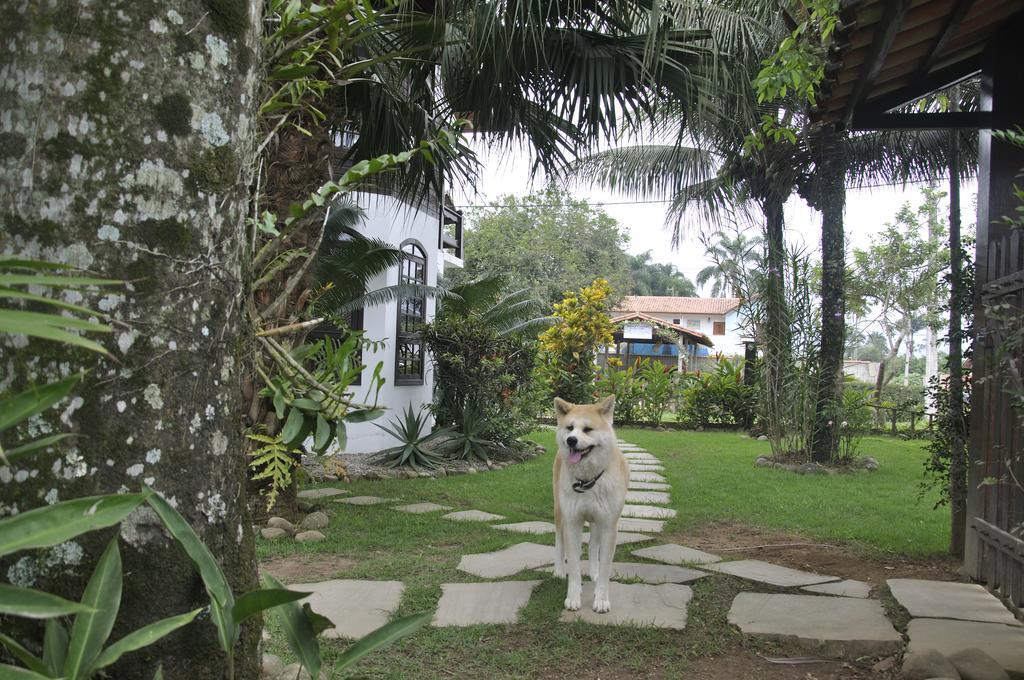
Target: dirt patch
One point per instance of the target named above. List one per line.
(748, 665)
(306, 568)
(740, 541)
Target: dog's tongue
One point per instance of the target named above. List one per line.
(575, 456)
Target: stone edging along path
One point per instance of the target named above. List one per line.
(831, 616)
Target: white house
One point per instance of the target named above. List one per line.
(717, 318)
(429, 242)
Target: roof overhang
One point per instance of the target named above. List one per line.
(694, 337)
(889, 53)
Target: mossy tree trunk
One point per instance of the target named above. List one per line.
(828, 195)
(126, 141)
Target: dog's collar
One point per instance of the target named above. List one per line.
(581, 485)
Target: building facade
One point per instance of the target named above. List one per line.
(717, 318)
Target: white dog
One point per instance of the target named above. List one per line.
(591, 477)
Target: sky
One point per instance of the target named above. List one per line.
(867, 211)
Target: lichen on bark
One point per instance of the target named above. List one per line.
(105, 165)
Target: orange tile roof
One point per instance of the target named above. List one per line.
(696, 336)
(655, 304)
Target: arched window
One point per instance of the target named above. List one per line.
(412, 314)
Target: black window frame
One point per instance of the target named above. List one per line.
(409, 343)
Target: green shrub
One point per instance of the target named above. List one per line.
(657, 389)
(625, 385)
(719, 397)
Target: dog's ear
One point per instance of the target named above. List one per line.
(562, 406)
(607, 407)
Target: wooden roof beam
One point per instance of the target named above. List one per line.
(886, 31)
(953, 21)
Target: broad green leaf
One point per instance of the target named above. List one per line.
(42, 299)
(143, 637)
(54, 281)
(90, 631)
(298, 631)
(323, 434)
(16, 263)
(33, 662)
(279, 403)
(47, 332)
(35, 604)
(14, 317)
(159, 675)
(308, 404)
(255, 601)
(16, 673)
(55, 647)
(30, 447)
(222, 599)
(47, 526)
(293, 425)
(362, 415)
(34, 400)
(382, 637)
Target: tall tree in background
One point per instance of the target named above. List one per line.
(653, 278)
(731, 256)
(120, 159)
(548, 242)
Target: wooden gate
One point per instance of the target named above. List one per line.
(995, 497)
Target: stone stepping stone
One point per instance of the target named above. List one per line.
(673, 553)
(831, 626)
(469, 604)
(646, 468)
(647, 511)
(356, 608)
(950, 600)
(641, 476)
(512, 560)
(640, 456)
(636, 604)
(646, 573)
(648, 486)
(656, 497)
(772, 574)
(364, 500)
(635, 463)
(1005, 644)
(847, 588)
(623, 537)
(527, 527)
(325, 492)
(421, 508)
(641, 525)
(473, 516)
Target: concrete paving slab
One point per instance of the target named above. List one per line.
(633, 467)
(847, 588)
(421, 508)
(622, 537)
(355, 607)
(469, 604)
(325, 492)
(648, 486)
(511, 560)
(673, 553)
(1003, 643)
(527, 527)
(654, 526)
(647, 511)
(639, 605)
(830, 626)
(642, 461)
(646, 477)
(645, 573)
(949, 600)
(473, 516)
(640, 456)
(656, 497)
(364, 500)
(772, 574)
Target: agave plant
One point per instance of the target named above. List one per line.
(412, 449)
(469, 442)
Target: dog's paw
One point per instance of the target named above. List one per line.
(602, 605)
(572, 603)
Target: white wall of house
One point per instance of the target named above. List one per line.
(395, 222)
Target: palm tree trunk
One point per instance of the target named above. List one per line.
(831, 202)
(776, 325)
(157, 199)
(958, 449)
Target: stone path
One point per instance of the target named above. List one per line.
(827, 617)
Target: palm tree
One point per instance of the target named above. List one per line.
(707, 166)
(732, 257)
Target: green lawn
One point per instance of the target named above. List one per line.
(712, 478)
